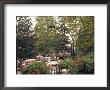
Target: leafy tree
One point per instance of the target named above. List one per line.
(70, 25)
(25, 38)
(53, 33)
(48, 36)
(85, 41)
(80, 29)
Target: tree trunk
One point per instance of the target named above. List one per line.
(72, 50)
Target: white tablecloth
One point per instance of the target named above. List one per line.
(52, 63)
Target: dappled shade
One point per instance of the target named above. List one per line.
(68, 41)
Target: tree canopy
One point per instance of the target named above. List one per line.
(73, 34)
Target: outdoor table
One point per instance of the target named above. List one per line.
(29, 61)
(54, 66)
(47, 58)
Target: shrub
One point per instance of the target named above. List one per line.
(89, 63)
(70, 66)
(36, 68)
(65, 64)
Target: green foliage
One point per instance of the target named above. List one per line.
(65, 63)
(85, 40)
(41, 68)
(49, 35)
(89, 63)
(73, 69)
(69, 65)
(25, 45)
(52, 33)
